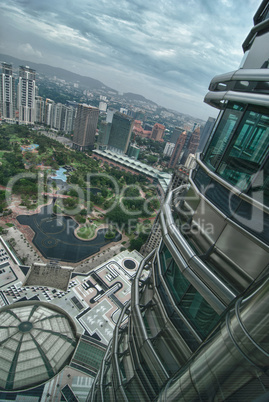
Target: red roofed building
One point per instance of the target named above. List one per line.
(157, 132)
(138, 130)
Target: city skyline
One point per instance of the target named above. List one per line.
(135, 48)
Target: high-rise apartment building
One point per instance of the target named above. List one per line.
(120, 132)
(168, 149)
(26, 95)
(85, 127)
(7, 93)
(157, 132)
(49, 112)
(69, 119)
(198, 319)
(39, 110)
(55, 115)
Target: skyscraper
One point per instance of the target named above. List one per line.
(120, 132)
(205, 133)
(49, 112)
(109, 115)
(177, 151)
(39, 110)
(175, 135)
(198, 320)
(85, 127)
(26, 95)
(103, 135)
(7, 93)
(69, 119)
(192, 145)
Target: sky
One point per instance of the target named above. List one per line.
(165, 50)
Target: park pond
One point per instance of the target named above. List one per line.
(55, 238)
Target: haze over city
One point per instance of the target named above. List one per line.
(166, 51)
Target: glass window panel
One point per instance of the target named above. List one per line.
(254, 220)
(202, 316)
(222, 135)
(201, 179)
(247, 150)
(165, 258)
(260, 186)
(176, 282)
(220, 196)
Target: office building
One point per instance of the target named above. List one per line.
(175, 135)
(109, 115)
(103, 135)
(205, 133)
(194, 142)
(157, 132)
(178, 150)
(198, 319)
(7, 93)
(85, 127)
(120, 133)
(133, 151)
(26, 95)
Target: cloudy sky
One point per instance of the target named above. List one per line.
(166, 50)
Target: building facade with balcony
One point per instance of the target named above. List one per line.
(26, 95)
(198, 319)
(7, 93)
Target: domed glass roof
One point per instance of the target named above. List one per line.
(35, 343)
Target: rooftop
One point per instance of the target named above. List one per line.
(36, 342)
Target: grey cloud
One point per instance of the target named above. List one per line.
(175, 44)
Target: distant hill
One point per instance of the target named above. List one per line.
(68, 76)
(135, 97)
(60, 73)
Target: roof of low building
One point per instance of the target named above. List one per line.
(36, 342)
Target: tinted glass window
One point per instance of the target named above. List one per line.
(222, 135)
(187, 298)
(247, 150)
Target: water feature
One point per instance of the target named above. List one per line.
(55, 239)
(60, 174)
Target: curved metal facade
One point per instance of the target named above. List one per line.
(198, 317)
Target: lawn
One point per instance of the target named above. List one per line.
(87, 232)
